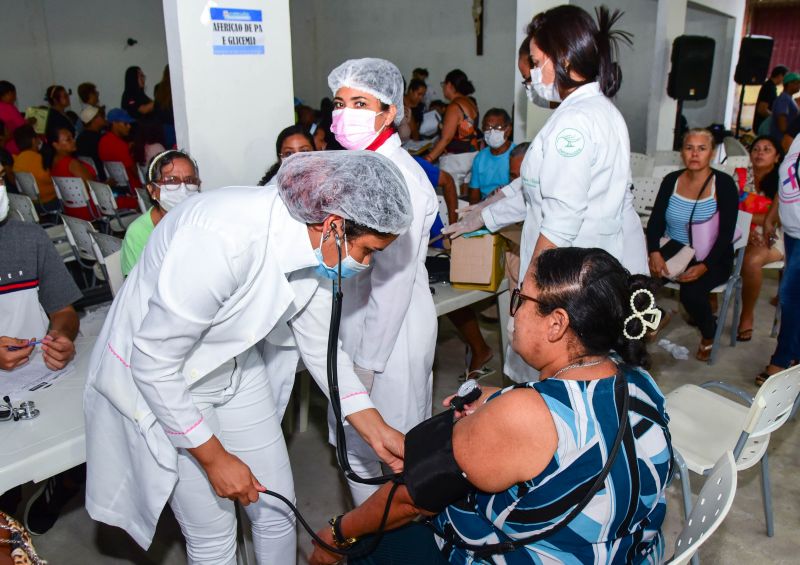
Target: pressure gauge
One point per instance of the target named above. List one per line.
(468, 392)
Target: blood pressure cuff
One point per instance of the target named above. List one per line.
(431, 474)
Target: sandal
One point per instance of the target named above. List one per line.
(762, 377)
(744, 335)
(476, 374)
(704, 352)
(666, 316)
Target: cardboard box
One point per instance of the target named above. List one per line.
(476, 263)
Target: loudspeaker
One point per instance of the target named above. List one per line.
(754, 56)
(692, 61)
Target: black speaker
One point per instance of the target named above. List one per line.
(692, 61)
(754, 56)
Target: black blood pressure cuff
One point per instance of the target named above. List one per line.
(431, 474)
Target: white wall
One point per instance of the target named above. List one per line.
(229, 109)
(438, 35)
(44, 42)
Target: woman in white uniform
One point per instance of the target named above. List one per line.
(179, 407)
(388, 319)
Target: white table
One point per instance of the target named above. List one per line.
(33, 450)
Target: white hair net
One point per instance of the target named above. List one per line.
(362, 186)
(378, 77)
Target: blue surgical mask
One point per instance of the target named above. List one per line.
(350, 267)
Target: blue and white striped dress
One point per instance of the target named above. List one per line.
(621, 524)
(679, 210)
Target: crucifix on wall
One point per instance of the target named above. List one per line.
(477, 18)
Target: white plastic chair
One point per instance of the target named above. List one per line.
(668, 158)
(776, 321)
(143, 198)
(641, 165)
(734, 147)
(28, 185)
(107, 252)
(87, 161)
(72, 192)
(713, 504)
(79, 234)
(704, 425)
(645, 190)
(660, 171)
(731, 289)
(23, 206)
(116, 170)
(738, 161)
(142, 170)
(104, 199)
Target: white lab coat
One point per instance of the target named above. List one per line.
(389, 320)
(224, 272)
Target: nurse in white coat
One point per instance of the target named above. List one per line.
(178, 403)
(389, 320)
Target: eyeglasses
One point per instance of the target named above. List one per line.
(169, 182)
(517, 298)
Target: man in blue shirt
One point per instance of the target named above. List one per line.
(490, 169)
(784, 109)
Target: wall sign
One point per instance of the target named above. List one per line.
(237, 31)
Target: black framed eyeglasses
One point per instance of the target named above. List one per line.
(517, 298)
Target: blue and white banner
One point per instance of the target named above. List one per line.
(237, 31)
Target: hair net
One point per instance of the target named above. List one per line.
(378, 77)
(362, 186)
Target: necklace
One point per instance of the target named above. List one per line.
(577, 365)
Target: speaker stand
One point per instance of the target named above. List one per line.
(676, 140)
(741, 107)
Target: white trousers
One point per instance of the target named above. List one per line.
(247, 424)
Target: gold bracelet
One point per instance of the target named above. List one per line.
(336, 533)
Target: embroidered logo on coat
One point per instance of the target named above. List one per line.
(569, 142)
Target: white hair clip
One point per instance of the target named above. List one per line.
(650, 317)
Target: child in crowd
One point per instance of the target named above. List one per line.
(490, 169)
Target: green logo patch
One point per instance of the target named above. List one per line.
(569, 142)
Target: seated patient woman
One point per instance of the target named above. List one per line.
(538, 455)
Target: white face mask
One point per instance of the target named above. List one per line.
(494, 138)
(3, 202)
(548, 92)
(173, 194)
(535, 98)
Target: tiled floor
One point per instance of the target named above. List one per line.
(741, 539)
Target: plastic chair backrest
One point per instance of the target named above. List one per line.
(737, 161)
(79, 233)
(71, 191)
(142, 170)
(668, 158)
(645, 190)
(660, 171)
(107, 252)
(713, 504)
(116, 170)
(641, 165)
(143, 198)
(23, 206)
(773, 404)
(734, 147)
(87, 161)
(27, 184)
(103, 197)
(743, 225)
(107, 244)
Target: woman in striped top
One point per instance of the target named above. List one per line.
(700, 188)
(533, 452)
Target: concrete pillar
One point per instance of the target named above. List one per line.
(229, 108)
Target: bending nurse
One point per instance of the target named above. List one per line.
(388, 319)
(179, 408)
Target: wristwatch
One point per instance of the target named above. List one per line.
(336, 533)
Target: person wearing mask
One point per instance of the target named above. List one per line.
(57, 98)
(784, 109)
(114, 145)
(134, 100)
(172, 178)
(88, 142)
(695, 194)
(9, 114)
(757, 196)
(415, 93)
(490, 169)
(179, 403)
(36, 297)
(389, 321)
(291, 140)
(30, 160)
(767, 95)
(522, 461)
(786, 210)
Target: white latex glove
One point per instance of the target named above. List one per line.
(471, 220)
(366, 376)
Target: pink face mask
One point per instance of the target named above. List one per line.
(354, 128)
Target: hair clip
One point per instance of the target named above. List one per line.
(650, 311)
